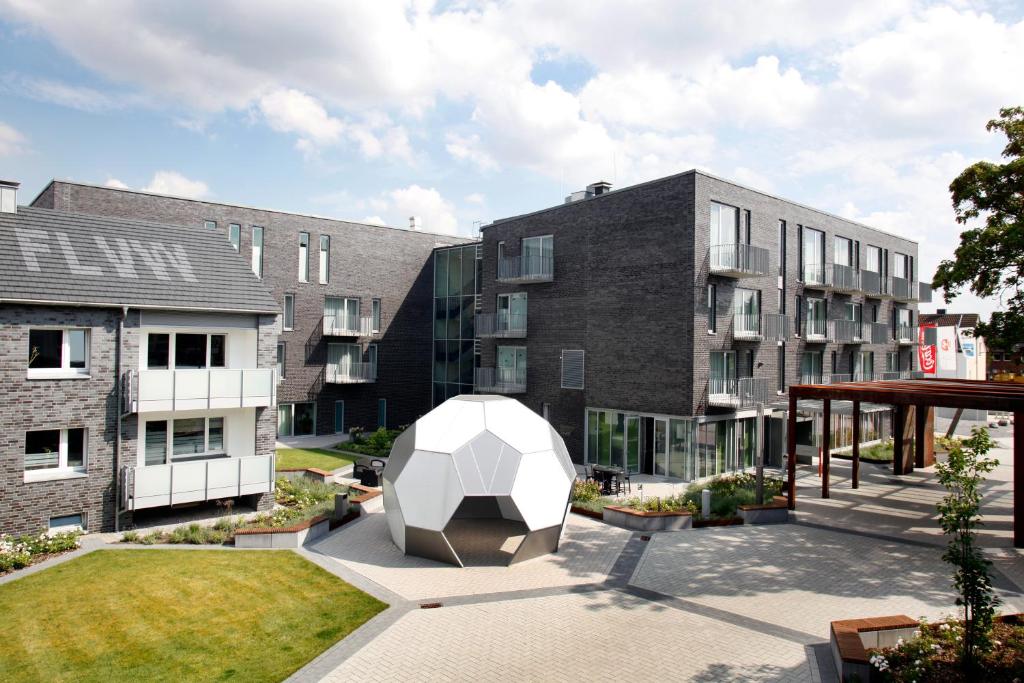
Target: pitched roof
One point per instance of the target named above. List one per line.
(949, 319)
(49, 256)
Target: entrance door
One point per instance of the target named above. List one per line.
(660, 447)
(339, 417)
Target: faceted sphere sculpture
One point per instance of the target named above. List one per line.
(477, 457)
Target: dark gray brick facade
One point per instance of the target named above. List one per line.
(366, 261)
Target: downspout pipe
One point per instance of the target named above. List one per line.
(120, 411)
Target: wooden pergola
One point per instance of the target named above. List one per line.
(911, 400)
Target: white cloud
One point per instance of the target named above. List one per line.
(291, 111)
(436, 213)
(11, 141)
(117, 184)
(174, 183)
(475, 198)
(469, 148)
(374, 220)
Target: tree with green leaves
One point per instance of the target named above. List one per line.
(990, 259)
(959, 515)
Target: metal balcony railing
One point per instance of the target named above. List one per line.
(844, 278)
(880, 333)
(351, 373)
(500, 380)
(526, 269)
(501, 324)
(777, 326)
(816, 378)
(902, 374)
(817, 330)
(349, 326)
(851, 332)
(903, 289)
(873, 284)
(738, 260)
(747, 326)
(906, 334)
(739, 392)
(816, 275)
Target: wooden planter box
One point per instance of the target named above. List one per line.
(587, 513)
(285, 537)
(306, 473)
(647, 521)
(775, 512)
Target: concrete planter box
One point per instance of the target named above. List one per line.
(851, 638)
(286, 537)
(307, 473)
(647, 521)
(776, 512)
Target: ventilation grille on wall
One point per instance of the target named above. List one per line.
(572, 369)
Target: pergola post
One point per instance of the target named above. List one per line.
(920, 422)
(899, 419)
(791, 450)
(1018, 479)
(856, 445)
(826, 443)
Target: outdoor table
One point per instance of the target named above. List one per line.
(606, 475)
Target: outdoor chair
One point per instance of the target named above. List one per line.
(367, 476)
(622, 483)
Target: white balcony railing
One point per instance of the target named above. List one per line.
(161, 390)
(351, 373)
(906, 334)
(197, 480)
(738, 260)
(738, 392)
(500, 380)
(525, 269)
(349, 326)
(501, 324)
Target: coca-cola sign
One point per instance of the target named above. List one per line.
(925, 352)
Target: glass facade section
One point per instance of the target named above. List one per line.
(456, 291)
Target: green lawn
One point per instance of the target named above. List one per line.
(293, 458)
(879, 452)
(175, 615)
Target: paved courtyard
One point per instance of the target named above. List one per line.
(728, 603)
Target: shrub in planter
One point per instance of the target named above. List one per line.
(658, 504)
(585, 491)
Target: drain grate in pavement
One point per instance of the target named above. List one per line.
(430, 605)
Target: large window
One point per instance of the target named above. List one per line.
(511, 312)
(864, 366)
(257, 250)
(341, 313)
(725, 224)
(747, 311)
(303, 257)
(191, 351)
(722, 379)
(854, 311)
(815, 322)
(456, 295)
(155, 444)
(62, 352)
(296, 419)
(325, 259)
(50, 452)
(812, 256)
(289, 311)
(811, 367)
(538, 255)
(182, 439)
(901, 266)
(843, 252)
(511, 364)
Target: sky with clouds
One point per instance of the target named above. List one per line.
(462, 112)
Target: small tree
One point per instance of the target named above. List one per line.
(962, 475)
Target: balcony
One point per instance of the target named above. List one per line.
(351, 373)
(500, 325)
(816, 276)
(818, 331)
(349, 326)
(903, 289)
(754, 327)
(819, 378)
(880, 333)
(739, 392)
(738, 260)
(850, 332)
(500, 380)
(148, 391)
(906, 335)
(526, 269)
(197, 480)
(874, 285)
(902, 374)
(844, 279)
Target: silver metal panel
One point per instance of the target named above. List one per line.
(197, 319)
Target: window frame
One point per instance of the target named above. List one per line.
(303, 257)
(257, 251)
(324, 270)
(235, 235)
(712, 308)
(65, 371)
(282, 360)
(62, 470)
(375, 315)
(172, 353)
(210, 225)
(169, 456)
(288, 308)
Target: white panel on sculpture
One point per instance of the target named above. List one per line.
(558, 446)
(518, 426)
(449, 425)
(401, 451)
(541, 490)
(396, 524)
(487, 452)
(469, 472)
(429, 490)
(505, 475)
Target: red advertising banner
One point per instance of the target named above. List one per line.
(925, 352)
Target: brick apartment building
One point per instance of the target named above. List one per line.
(138, 366)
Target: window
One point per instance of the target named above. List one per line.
(257, 250)
(371, 357)
(501, 250)
(235, 235)
(903, 266)
(217, 351)
(511, 312)
(382, 413)
(854, 311)
(325, 259)
(811, 367)
(572, 369)
(892, 361)
(280, 360)
(183, 439)
(872, 259)
(191, 351)
(296, 419)
(289, 311)
(158, 351)
(725, 224)
(782, 266)
(8, 200)
(68, 523)
(50, 452)
(865, 369)
(812, 256)
(375, 315)
(156, 442)
(210, 225)
(189, 436)
(747, 311)
(64, 352)
(538, 255)
(511, 365)
(799, 315)
(745, 235)
(816, 324)
(712, 306)
(341, 315)
(722, 378)
(782, 367)
(843, 251)
(303, 257)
